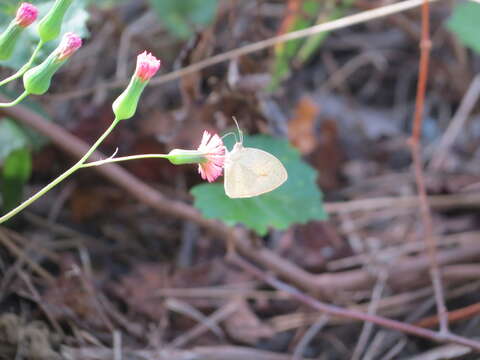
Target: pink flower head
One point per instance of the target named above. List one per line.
(214, 151)
(147, 66)
(70, 43)
(26, 14)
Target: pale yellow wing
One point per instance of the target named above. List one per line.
(251, 172)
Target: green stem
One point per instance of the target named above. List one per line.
(125, 158)
(62, 177)
(16, 101)
(25, 67)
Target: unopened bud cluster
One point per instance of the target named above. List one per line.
(37, 80)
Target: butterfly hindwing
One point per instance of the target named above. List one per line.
(252, 172)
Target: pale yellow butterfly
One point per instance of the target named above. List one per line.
(251, 172)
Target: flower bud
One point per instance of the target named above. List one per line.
(50, 26)
(37, 80)
(26, 14)
(125, 105)
(70, 43)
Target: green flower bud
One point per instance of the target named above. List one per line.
(125, 105)
(50, 26)
(8, 40)
(37, 80)
(180, 157)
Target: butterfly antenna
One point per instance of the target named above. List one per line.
(240, 133)
(230, 133)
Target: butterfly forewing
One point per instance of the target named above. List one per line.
(251, 172)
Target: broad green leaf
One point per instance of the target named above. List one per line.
(464, 23)
(182, 17)
(12, 137)
(16, 171)
(75, 21)
(18, 165)
(298, 200)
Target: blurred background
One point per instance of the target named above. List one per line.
(107, 267)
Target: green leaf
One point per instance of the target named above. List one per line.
(181, 17)
(12, 137)
(298, 200)
(75, 21)
(17, 169)
(18, 165)
(464, 23)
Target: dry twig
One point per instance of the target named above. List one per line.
(415, 142)
(344, 22)
(350, 313)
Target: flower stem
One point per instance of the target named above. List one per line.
(124, 158)
(16, 101)
(25, 67)
(62, 177)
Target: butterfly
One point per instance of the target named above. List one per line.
(251, 172)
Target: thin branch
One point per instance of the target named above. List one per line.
(344, 22)
(372, 309)
(309, 335)
(350, 313)
(415, 142)
(465, 200)
(456, 125)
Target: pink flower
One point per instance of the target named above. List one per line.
(26, 14)
(70, 43)
(214, 151)
(147, 66)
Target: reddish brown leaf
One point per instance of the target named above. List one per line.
(301, 128)
(244, 326)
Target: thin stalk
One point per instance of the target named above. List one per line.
(25, 67)
(125, 158)
(16, 101)
(62, 177)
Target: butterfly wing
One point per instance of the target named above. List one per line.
(251, 172)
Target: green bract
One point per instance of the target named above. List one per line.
(37, 80)
(50, 26)
(8, 40)
(125, 105)
(180, 157)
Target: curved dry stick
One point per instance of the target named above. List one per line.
(350, 313)
(341, 23)
(323, 285)
(318, 284)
